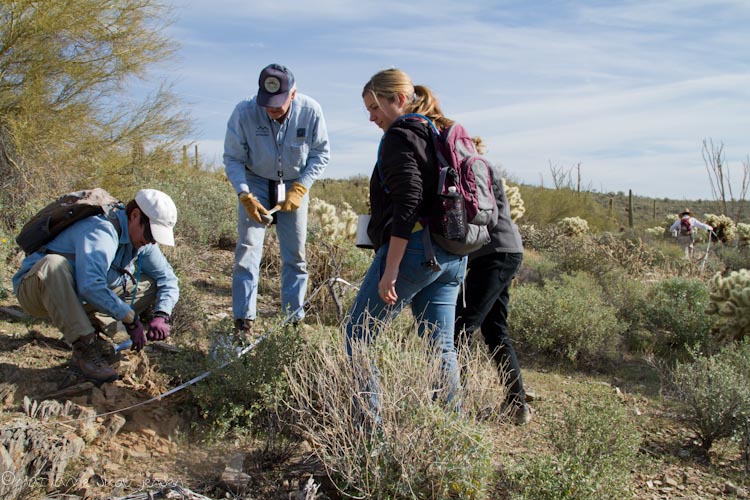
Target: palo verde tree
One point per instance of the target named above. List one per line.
(65, 112)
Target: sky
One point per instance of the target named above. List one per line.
(625, 91)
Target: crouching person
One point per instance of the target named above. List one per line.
(102, 269)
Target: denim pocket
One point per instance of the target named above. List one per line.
(414, 269)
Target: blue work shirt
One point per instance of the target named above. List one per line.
(298, 147)
(99, 256)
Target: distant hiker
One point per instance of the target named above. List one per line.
(102, 269)
(403, 188)
(684, 230)
(276, 147)
(486, 296)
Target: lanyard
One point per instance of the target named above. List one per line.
(280, 149)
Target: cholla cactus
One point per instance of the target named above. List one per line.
(573, 226)
(517, 208)
(729, 298)
(743, 233)
(668, 220)
(334, 226)
(723, 227)
(657, 231)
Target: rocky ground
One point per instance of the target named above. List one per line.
(122, 440)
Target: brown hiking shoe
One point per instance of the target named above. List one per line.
(243, 331)
(87, 360)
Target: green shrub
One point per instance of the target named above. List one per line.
(547, 206)
(7, 250)
(734, 258)
(353, 191)
(598, 254)
(629, 297)
(241, 396)
(414, 447)
(594, 447)
(674, 312)
(206, 204)
(714, 391)
(568, 316)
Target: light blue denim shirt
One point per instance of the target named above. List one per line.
(298, 147)
(98, 257)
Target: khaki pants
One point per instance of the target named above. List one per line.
(48, 291)
(686, 242)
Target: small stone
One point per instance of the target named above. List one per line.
(670, 481)
(730, 487)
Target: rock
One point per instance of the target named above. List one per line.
(234, 478)
(731, 488)
(532, 396)
(116, 453)
(35, 454)
(670, 481)
(111, 426)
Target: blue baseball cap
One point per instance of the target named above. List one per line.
(274, 85)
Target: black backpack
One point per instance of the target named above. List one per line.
(50, 221)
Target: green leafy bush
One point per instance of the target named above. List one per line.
(714, 391)
(629, 297)
(674, 313)
(547, 206)
(568, 315)
(242, 395)
(733, 258)
(594, 447)
(206, 204)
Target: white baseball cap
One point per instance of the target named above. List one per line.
(161, 212)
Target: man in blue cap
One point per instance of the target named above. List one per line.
(276, 146)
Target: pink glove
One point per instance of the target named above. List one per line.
(158, 329)
(137, 335)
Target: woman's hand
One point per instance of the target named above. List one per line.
(387, 284)
(387, 290)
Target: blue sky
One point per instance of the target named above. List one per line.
(629, 90)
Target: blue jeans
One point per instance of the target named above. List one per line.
(291, 228)
(487, 296)
(432, 295)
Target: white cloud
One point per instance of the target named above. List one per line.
(629, 89)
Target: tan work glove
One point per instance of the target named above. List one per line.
(293, 197)
(253, 207)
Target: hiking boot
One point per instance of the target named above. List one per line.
(243, 330)
(521, 415)
(87, 360)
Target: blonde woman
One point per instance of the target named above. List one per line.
(403, 190)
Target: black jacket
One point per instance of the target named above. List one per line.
(403, 186)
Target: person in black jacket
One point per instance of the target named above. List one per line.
(403, 189)
(486, 296)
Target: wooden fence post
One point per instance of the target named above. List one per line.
(630, 208)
